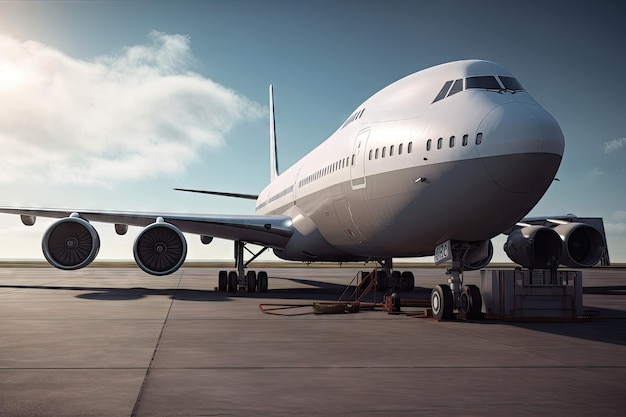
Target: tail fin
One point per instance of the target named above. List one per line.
(273, 151)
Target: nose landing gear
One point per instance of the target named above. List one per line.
(466, 300)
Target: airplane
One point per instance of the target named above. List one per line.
(436, 163)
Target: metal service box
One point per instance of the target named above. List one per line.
(524, 294)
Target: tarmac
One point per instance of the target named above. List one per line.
(119, 342)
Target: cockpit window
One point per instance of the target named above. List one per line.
(444, 91)
(456, 87)
(488, 82)
(511, 83)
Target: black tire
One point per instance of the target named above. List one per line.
(251, 281)
(471, 302)
(441, 302)
(262, 281)
(396, 280)
(382, 281)
(408, 280)
(222, 281)
(232, 282)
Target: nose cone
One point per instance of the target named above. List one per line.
(522, 147)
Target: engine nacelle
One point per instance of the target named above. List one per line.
(160, 248)
(70, 243)
(583, 245)
(534, 247)
(478, 257)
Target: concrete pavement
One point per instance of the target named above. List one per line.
(118, 342)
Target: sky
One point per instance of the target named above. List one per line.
(110, 105)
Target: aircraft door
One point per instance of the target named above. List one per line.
(357, 162)
(296, 188)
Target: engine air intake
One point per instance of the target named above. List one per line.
(70, 243)
(160, 249)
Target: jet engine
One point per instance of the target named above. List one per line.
(583, 245)
(575, 245)
(479, 256)
(160, 248)
(534, 247)
(70, 243)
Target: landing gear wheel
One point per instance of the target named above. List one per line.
(441, 302)
(471, 302)
(381, 281)
(232, 282)
(262, 279)
(222, 281)
(396, 280)
(251, 281)
(408, 281)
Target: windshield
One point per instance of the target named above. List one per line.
(511, 83)
(488, 82)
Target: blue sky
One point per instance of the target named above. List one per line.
(112, 104)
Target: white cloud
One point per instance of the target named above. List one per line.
(614, 145)
(619, 215)
(615, 228)
(595, 172)
(129, 116)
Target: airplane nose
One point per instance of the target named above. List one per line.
(522, 146)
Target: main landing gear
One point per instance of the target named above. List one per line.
(251, 281)
(446, 298)
(394, 280)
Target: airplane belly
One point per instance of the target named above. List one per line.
(458, 200)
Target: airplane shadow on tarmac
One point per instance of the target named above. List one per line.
(314, 291)
(605, 325)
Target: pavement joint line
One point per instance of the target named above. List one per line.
(154, 353)
(261, 368)
(380, 367)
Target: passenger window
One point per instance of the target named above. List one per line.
(376, 154)
(409, 147)
(452, 141)
(353, 156)
(479, 138)
(439, 143)
(465, 139)
(383, 152)
(444, 91)
(456, 87)
(400, 149)
(428, 144)
(391, 150)
(370, 157)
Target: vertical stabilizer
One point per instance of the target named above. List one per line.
(273, 152)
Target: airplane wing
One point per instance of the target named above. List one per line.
(270, 230)
(548, 221)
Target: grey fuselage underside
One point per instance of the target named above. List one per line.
(458, 200)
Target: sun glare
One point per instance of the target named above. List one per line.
(12, 77)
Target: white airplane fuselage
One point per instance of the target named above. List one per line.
(407, 172)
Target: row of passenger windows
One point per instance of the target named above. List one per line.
(356, 115)
(382, 152)
(335, 166)
(275, 197)
(452, 141)
(373, 154)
